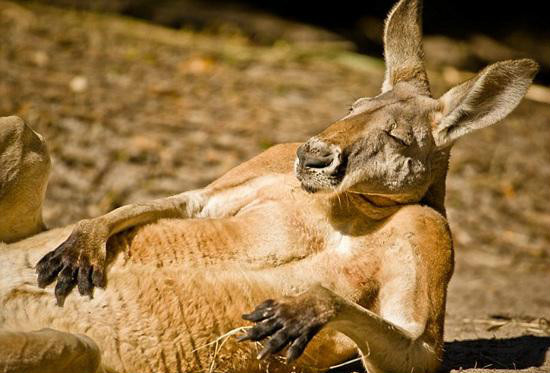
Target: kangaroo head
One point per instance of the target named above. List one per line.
(388, 144)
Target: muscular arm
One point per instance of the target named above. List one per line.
(294, 321)
(184, 205)
(81, 258)
(406, 332)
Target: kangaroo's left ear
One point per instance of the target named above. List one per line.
(483, 100)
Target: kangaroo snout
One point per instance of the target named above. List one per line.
(319, 156)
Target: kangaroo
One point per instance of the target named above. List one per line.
(335, 246)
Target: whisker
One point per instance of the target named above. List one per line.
(335, 190)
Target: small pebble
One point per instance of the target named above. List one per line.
(78, 84)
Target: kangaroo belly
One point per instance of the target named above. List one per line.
(158, 317)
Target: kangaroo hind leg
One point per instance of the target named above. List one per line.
(48, 351)
(24, 170)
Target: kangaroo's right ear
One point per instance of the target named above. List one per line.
(403, 51)
(483, 100)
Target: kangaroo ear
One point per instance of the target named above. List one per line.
(483, 100)
(403, 51)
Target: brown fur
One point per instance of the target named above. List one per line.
(345, 234)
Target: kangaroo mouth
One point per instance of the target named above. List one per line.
(314, 182)
(309, 188)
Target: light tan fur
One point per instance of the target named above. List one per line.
(346, 232)
(23, 178)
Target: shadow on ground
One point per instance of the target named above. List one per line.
(510, 353)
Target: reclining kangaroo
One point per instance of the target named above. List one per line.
(345, 235)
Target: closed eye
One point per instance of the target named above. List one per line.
(400, 138)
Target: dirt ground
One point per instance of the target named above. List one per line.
(133, 111)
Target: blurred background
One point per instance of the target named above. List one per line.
(141, 99)
(466, 34)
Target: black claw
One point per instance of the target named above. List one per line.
(98, 277)
(297, 348)
(85, 285)
(262, 330)
(66, 280)
(263, 311)
(43, 263)
(276, 343)
(48, 268)
(299, 345)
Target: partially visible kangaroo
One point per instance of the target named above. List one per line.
(345, 235)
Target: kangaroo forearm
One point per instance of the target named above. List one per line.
(184, 205)
(208, 202)
(362, 325)
(375, 336)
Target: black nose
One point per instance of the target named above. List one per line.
(318, 157)
(316, 161)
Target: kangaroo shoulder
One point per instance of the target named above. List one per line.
(423, 220)
(427, 230)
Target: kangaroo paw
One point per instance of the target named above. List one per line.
(79, 260)
(291, 322)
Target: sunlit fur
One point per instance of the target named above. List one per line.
(374, 253)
